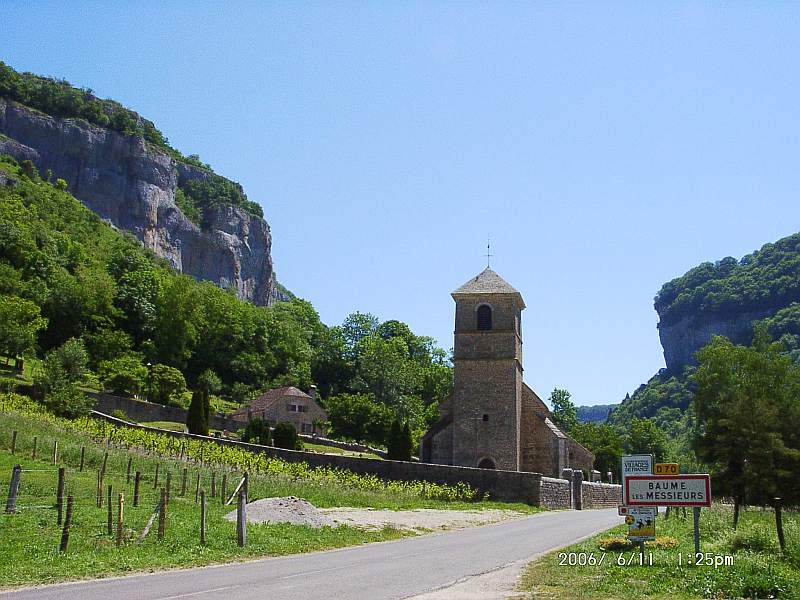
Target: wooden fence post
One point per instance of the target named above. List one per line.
(136, 480)
(55, 453)
(99, 489)
(183, 483)
(197, 487)
(13, 490)
(83, 456)
(169, 484)
(67, 525)
(203, 517)
(241, 520)
(222, 491)
(35, 443)
(128, 475)
(162, 515)
(60, 494)
(779, 524)
(103, 468)
(121, 501)
(155, 483)
(213, 484)
(13, 442)
(110, 519)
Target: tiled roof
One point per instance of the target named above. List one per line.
(487, 282)
(269, 398)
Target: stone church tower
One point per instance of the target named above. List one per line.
(493, 420)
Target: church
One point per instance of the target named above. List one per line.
(493, 420)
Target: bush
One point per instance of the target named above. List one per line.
(119, 414)
(166, 382)
(614, 543)
(285, 436)
(66, 400)
(125, 375)
(257, 432)
(197, 417)
(755, 538)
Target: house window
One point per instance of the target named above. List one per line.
(297, 408)
(306, 428)
(484, 318)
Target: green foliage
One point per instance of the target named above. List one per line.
(565, 414)
(645, 437)
(399, 445)
(21, 322)
(748, 418)
(285, 436)
(202, 196)
(197, 416)
(257, 432)
(124, 376)
(604, 442)
(766, 278)
(62, 370)
(359, 418)
(167, 383)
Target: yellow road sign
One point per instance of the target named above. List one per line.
(666, 469)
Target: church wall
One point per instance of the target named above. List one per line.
(486, 387)
(441, 446)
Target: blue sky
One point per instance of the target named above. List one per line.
(605, 147)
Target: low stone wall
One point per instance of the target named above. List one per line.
(139, 410)
(555, 493)
(601, 495)
(506, 486)
(312, 439)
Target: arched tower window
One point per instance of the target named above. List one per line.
(484, 317)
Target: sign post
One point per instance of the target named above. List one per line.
(635, 464)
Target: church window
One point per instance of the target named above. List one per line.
(485, 418)
(487, 463)
(484, 318)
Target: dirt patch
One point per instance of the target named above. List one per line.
(285, 510)
(422, 519)
(298, 511)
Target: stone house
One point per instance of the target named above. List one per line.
(493, 420)
(286, 405)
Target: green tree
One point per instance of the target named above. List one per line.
(21, 323)
(565, 414)
(645, 437)
(167, 382)
(358, 417)
(125, 376)
(197, 415)
(257, 432)
(57, 381)
(747, 418)
(602, 441)
(285, 436)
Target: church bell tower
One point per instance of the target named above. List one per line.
(487, 394)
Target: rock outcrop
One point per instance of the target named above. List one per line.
(132, 185)
(682, 339)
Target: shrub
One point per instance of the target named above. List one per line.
(197, 417)
(166, 382)
(285, 436)
(66, 400)
(755, 538)
(125, 375)
(119, 414)
(614, 543)
(257, 432)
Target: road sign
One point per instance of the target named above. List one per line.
(666, 469)
(668, 490)
(641, 523)
(635, 464)
(622, 510)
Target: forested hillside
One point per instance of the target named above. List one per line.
(66, 277)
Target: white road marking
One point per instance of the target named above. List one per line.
(228, 587)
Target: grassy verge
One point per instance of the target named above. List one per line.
(29, 539)
(758, 569)
(333, 450)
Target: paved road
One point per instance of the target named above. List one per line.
(380, 571)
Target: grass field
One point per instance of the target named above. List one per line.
(758, 569)
(29, 539)
(332, 450)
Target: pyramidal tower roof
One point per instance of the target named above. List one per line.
(487, 282)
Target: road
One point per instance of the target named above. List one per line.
(387, 570)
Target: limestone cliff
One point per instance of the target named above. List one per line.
(682, 339)
(132, 184)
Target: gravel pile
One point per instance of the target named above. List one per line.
(285, 510)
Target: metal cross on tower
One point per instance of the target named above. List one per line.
(488, 255)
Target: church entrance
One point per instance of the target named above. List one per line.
(487, 463)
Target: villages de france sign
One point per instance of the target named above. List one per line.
(668, 490)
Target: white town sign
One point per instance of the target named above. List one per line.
(666, 490)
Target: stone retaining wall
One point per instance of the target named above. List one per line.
(555, 493)
(601, 495)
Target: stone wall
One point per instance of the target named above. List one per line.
(505, 486)
(139, 410)
(555, 493)
(601, 495)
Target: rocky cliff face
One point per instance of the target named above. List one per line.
(133, 185)
(682, 339)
